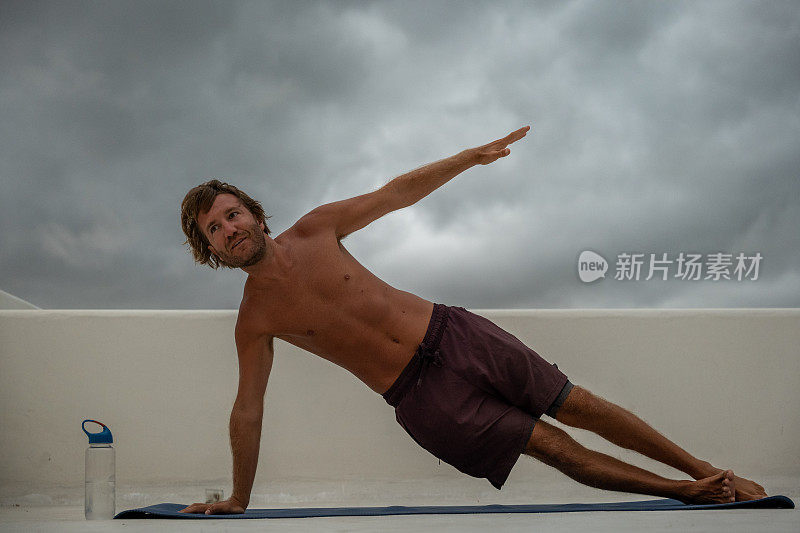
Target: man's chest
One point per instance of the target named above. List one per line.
(323, 287)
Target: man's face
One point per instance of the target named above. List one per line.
(234, 235)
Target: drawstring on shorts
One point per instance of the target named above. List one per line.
(427, 358)
(427, 354)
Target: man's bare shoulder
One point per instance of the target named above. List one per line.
(313, 223)
(253, 320)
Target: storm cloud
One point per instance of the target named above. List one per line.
(658, 127)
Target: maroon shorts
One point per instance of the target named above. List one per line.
(472, 393)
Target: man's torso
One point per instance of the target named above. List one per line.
(327, 303)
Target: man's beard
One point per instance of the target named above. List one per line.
(259, 248)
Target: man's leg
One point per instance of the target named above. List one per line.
(584, 410)
(556, 448)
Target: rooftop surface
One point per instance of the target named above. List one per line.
(65, 509)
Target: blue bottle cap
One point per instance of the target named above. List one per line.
(104, 437)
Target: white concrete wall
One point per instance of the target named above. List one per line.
(725, 384)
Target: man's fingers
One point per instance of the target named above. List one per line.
(215, 508)
(499, 153)
(223, 507)
(514, 136)
(194, 508)
(490, 156)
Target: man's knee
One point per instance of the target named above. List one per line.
(579, 405)
(549, 443)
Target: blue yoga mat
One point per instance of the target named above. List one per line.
(170, 510)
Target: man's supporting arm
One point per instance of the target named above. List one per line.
(255, 364)
(245, 430)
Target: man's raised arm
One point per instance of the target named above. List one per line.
(413, 186)
(350, 215)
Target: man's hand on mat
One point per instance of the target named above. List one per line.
(489, 153)
(229, 506)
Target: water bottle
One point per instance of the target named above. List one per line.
(100, 477)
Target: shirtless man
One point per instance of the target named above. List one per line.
(306, 289)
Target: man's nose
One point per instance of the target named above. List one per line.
(229, 229)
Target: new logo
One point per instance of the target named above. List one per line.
(591, 266)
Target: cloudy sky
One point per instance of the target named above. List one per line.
(658, 128)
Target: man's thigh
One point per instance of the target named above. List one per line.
(498, 363)
(479, 434)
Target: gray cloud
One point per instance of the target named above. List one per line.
(658, 127)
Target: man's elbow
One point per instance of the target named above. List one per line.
(247, 411)
(241, 420)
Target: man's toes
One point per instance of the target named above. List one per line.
(731, 485)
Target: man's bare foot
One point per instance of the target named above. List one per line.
(746, 490)
(750, 490)
(719, 488)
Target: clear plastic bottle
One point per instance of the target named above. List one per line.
(100, 474)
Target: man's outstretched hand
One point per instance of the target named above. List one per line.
(229, 506)
(489, 153)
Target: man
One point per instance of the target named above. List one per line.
(463, 388)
